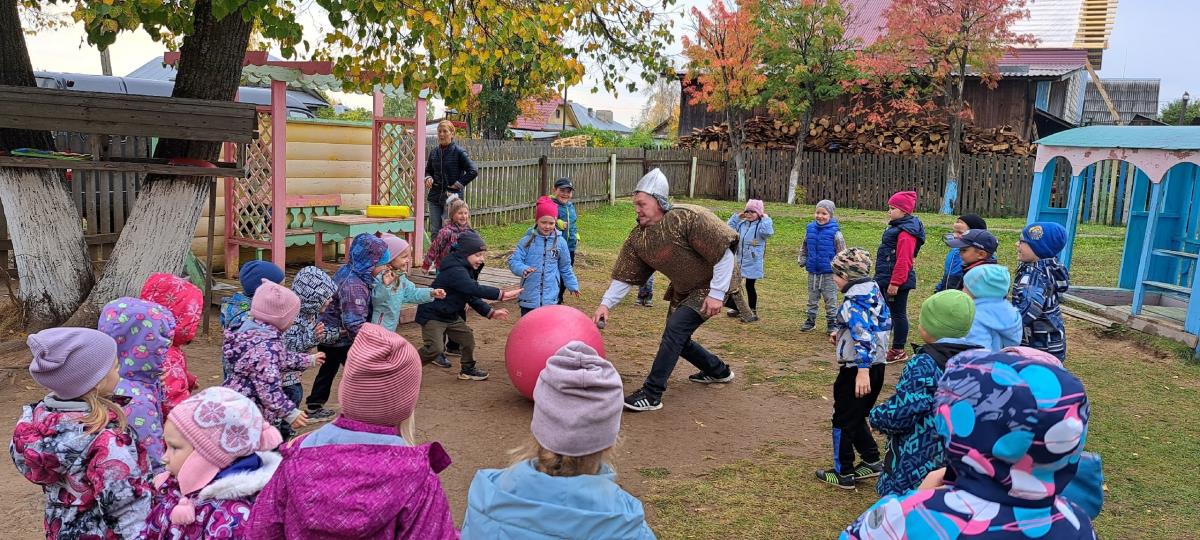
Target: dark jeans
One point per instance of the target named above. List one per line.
(334, 358)
(437, 214)
(525, 310)
(295, 393)
(562, 283)
(677, 341)
(751, 296)
(850, 431)
(898, 305)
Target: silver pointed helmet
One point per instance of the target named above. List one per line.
(654, 183)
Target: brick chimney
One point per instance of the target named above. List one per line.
(607, 116)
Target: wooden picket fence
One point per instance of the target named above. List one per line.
(989, 185)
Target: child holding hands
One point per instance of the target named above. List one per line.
(392, 289)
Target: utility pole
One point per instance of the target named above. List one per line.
(1183, 110)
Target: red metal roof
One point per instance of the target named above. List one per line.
(1044, 57)
(543, 112)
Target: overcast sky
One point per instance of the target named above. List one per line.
(1151, 39)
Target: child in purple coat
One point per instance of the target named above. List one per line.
(361, 476)
(144, 332)
(217, 461)
(258, 357)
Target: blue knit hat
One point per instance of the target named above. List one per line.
(988, 281)
(253, 272)
(1045, 238)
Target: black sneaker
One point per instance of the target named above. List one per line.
(640, 401)
(830, 325)
(831, 477)
(809, 325)
(320, 415)
(441, 362)
(704, 378)
(473, 374)
(868, 470)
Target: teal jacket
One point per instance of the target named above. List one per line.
(387, 301)
(521, 503)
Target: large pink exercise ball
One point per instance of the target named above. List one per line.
(538, 335)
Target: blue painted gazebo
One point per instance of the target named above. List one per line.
(1159, 265)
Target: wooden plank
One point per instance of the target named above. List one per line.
(107, 124)
(133, 166)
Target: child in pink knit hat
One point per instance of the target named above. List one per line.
(218, 459)
(258, 357)
(895, 270)
(543, 261)
(562, 486)
(361, 475)
(392, 288)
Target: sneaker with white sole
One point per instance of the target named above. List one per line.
(640, 401)
(442, 362)
(704, 378)
(321, 415)
(831, 477)
(473, 374)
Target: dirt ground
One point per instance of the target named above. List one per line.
(701, 427)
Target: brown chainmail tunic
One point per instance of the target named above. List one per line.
(684, 246)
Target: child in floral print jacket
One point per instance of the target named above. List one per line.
(143, 332)
(186, 303)
(258, 357)
(75, 442)
(218, 459)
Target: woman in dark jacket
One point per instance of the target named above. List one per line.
(448, 170)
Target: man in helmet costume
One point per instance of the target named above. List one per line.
(694, 249)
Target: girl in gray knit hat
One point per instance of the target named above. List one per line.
(562, 485)
(821, 242)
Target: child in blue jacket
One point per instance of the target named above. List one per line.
(952, 269)
(392, 288)
(562, 486)
(862, 337)
(1038, 288)
(542, 261)
(564, 191)
(913, 447)
(754, 227)
(822, 240)
(997, 323)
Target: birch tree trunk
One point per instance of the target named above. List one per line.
(797, 156)
(158, 233)
(734, 120)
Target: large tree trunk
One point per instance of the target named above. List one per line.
(736, 138)
(54, 271)
(158, 234)
(953, 160)
(798, 156)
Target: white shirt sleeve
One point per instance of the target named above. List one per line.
(616, 291)
(722, 273)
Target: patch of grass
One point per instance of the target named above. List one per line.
(1144, 399)
(1150, 343)
(654, 472)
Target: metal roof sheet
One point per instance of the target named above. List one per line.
(1141, 137)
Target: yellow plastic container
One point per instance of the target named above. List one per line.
(388, 211)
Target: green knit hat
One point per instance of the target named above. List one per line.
(947, 314)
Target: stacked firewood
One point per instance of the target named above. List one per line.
(903, 136)
(578, 141)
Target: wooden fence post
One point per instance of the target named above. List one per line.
(612, 179)
(692, 180)
(544, 175)
(645, 163)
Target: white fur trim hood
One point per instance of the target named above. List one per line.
(243, 485)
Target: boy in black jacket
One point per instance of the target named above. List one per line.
(458, 275)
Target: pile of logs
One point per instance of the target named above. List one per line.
(578, 141)
(902, 136)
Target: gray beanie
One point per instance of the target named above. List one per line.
(71, 361)
(826, 204)
(577, 402)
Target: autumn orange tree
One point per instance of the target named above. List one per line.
(725, 69)
(919, 67)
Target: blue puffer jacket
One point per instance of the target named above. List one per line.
(820, 244)
(568, 217)
(521, 503)
(951, 270)
(549, 259)
(885, 258)
(752, 243)
(914, 448)
(997, 324)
